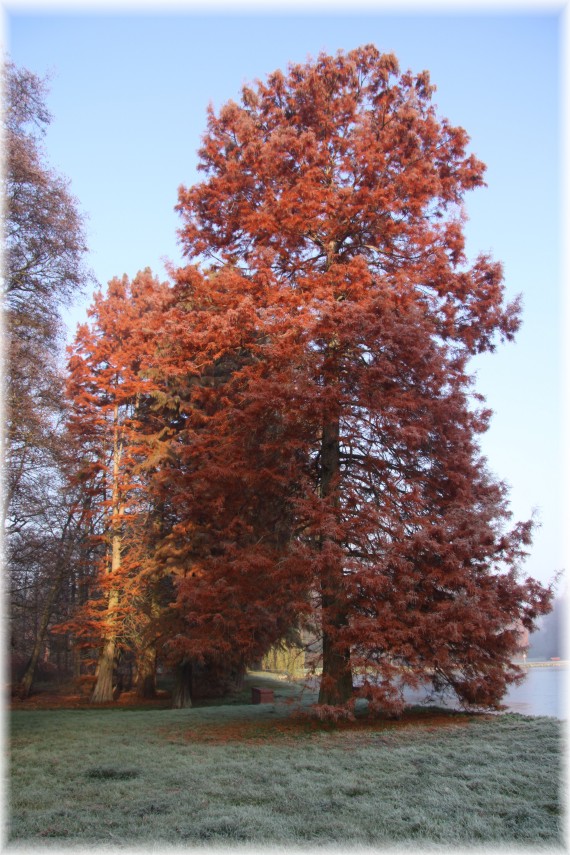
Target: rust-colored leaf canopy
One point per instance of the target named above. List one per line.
(318, 462)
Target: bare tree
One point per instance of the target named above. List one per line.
(44, 269)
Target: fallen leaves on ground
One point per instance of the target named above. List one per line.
(298, 726)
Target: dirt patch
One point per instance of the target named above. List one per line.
(76, 701)
(296, 727)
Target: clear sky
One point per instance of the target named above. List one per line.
(129, 94)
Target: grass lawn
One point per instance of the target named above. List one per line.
(243, 774)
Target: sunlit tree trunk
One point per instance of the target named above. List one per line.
(103, 691)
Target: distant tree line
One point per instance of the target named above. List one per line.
(548, 639)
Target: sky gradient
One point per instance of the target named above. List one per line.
(129, 93)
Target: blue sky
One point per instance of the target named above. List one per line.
(129, 94)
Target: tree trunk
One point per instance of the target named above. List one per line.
(103, 691)
(182, 693)
(146, 673)
(336, 681)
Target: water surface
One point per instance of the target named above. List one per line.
(543, 692)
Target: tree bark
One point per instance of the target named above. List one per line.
(103, 691)
(336, 681)
(182, 693)
(146, 673)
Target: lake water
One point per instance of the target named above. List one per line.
(543, 692)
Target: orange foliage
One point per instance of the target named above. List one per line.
(331, 466)
(316, 459)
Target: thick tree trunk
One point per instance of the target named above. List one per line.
(182, 693)
(336, 681)
(146, 673)
(103, 691)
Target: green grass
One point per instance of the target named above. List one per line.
(243, 774)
